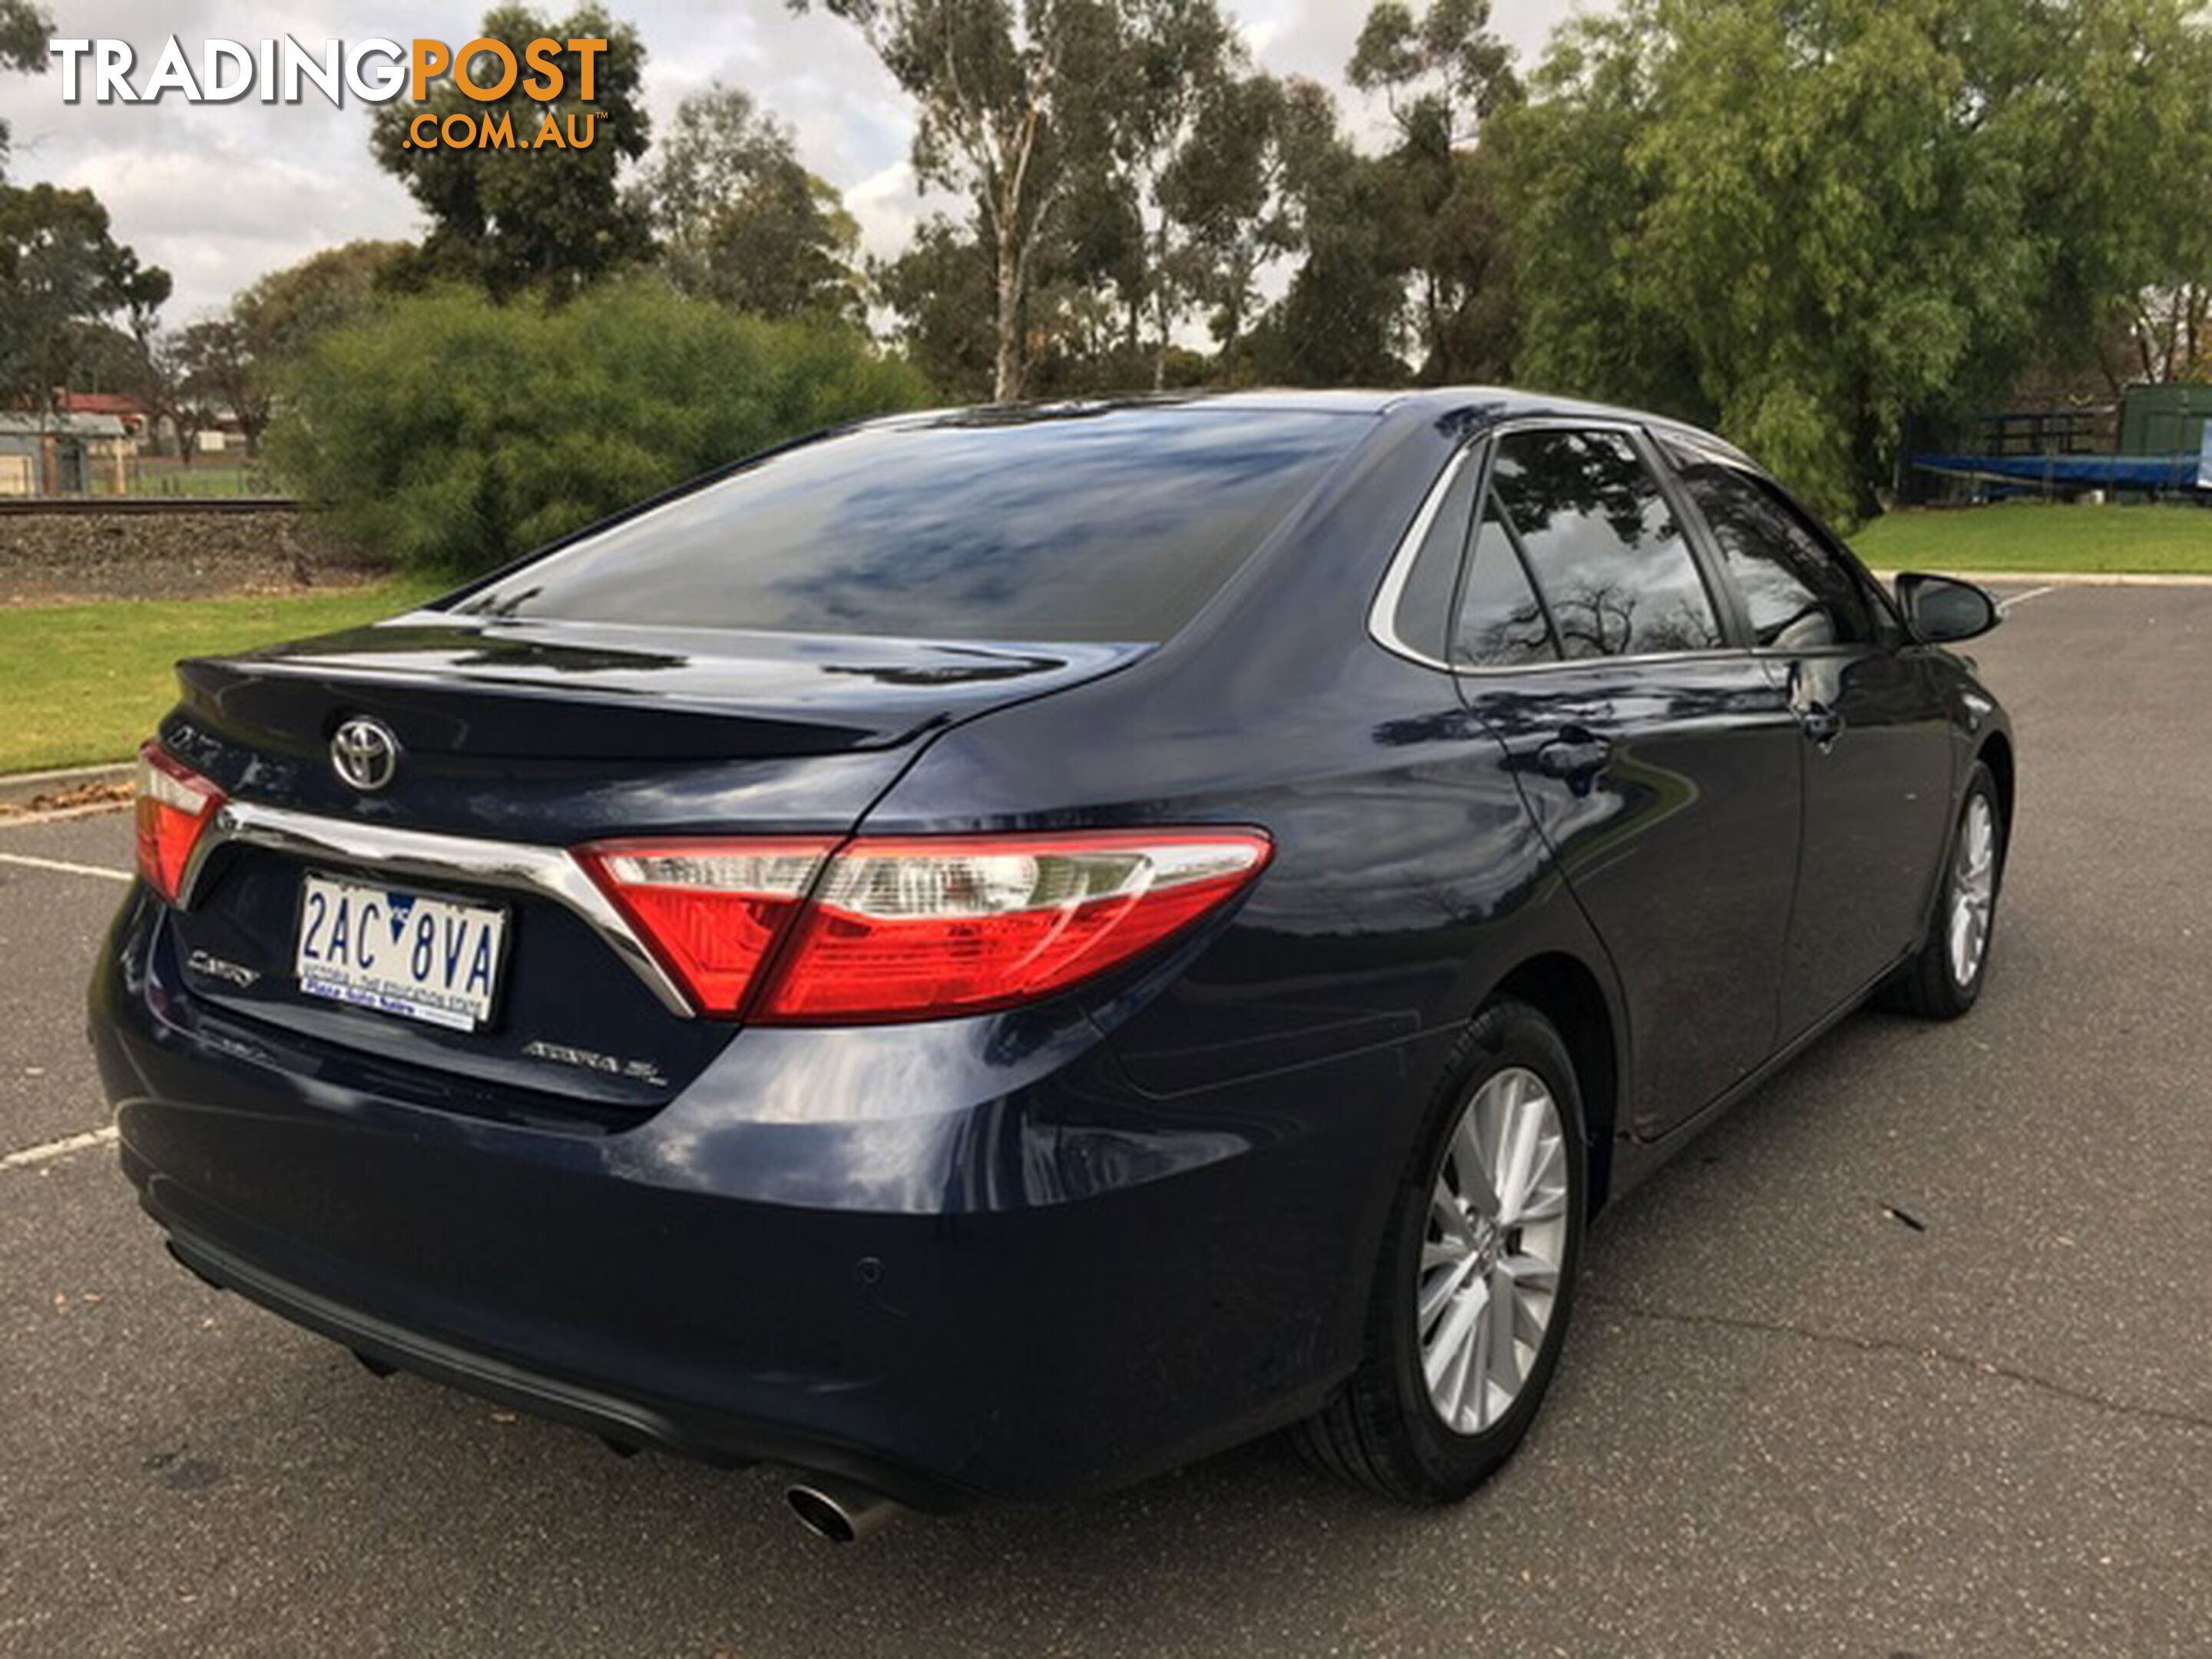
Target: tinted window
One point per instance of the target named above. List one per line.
(1612, 566)
(1799, 595)
(1500, 621)
(1423, 616)
(1112, 524)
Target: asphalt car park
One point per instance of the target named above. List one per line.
(1912, 1353)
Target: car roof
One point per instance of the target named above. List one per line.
(1032, 411)
(1469, 408)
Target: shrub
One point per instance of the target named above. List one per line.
(449, 433)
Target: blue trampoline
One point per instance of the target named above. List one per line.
(2175, 471)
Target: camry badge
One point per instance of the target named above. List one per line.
(365, 754)
(215, 968)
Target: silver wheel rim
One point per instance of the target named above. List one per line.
(1973, 890)
(1491, 1252)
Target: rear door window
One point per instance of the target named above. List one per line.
(1799, 595)
(1612, 566)
(1099, 523)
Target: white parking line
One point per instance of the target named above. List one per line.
(2004, 606)
(64, 866)
(63, 814)
(61, 1148)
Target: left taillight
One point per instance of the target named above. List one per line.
(175, 806)
(711, 910)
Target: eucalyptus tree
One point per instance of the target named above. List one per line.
(1443, 74)
(1014, 100)
(742, 221)
(1223, 192)
(1340, 213)
(941, 290)
(61, 268)
(1178, 60)
(23, 31)
(549, 220)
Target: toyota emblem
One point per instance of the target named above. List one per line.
(365, 754)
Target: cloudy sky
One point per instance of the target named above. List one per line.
(221, 193)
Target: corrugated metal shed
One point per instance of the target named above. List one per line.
(2164, 420)
(63, 426)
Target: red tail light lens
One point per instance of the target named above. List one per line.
(891, 928)
(910, 929)
(712, 910)
(175, 805)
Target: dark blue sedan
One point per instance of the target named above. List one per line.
(987, 954)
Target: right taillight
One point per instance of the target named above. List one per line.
(175, 805)
(914, 927)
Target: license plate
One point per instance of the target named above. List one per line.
(400, 953)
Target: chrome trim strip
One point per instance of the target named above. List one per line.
(424, 856)
(1383, 614)
(1599, 664)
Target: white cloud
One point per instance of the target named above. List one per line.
(220, 194)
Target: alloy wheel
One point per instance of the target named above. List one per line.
(1973, 889)
(1491, 1253)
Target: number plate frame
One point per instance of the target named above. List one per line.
(464, 1022)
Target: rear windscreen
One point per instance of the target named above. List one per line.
(1114, 523)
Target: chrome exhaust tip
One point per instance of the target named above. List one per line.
(841, 1513)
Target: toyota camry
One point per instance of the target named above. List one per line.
(986, 954)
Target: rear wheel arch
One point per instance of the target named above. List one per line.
(1997, 754)
(1564, 990)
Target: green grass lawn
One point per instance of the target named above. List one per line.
(2032, 535)
(86, 683)
(212, 474)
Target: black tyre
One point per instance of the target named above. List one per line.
(1476, 1274)
(1945, 979)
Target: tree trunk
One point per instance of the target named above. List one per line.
(1439, 364)
(1160, 306)
(1007, 380)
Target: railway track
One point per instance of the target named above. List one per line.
(151, 505)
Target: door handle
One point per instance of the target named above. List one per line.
(1822, 724)
(1575, 756)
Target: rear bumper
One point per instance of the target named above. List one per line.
(626, 1421)
(951, 1261)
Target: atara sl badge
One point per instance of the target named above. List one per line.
(641, 1071)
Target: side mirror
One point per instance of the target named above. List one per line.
(1943, 612)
